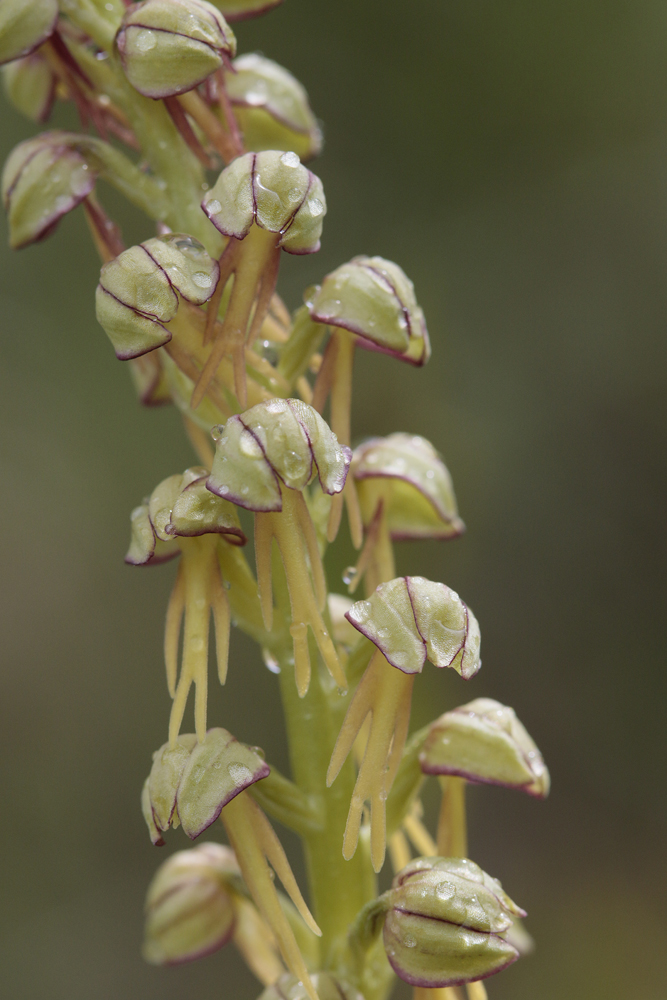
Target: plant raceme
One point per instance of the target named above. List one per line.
(208, 146)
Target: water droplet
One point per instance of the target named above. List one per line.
(223, 490)
(454, 596)
(213, 206)
(316, 207)
(295, 194)
(290, 160)
(409, 941)
(202, 280)
(270, 661)
(349, 575)
(145, 40)
(249, 447)
(240, 774)
(217, 432)
(63, 203)
(430, 474)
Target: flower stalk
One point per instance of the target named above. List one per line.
(266, 402)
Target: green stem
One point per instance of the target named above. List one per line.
(339, 888)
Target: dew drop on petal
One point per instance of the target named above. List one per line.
(290, 160)
(213, 206)
(145, 40)
(202, 279)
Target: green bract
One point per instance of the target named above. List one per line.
(168, 47)
(411, 619)
(25, 24)
(405, 473)
(189, 908)
(273, 190)
(282, 440)
(43, 179)
(180, 506)
(191, 782)
(240, 10)
(445, 923)
(272, 107)
(373, 298)
(30, 85)
(484, 741)
(328, 987)
(139, 291)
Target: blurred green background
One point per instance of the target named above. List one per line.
(512, 157)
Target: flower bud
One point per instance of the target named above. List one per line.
(189, 908)
(24, 25)
(275, 191)
(405, 473)
(139, 291)
(168, 47)
(44, 178)
(446, 923)
(328, 987)
(30, 86)
(272, 107)
(241, 10)
(373, 298)
(280, 440)
(180, 506)
(411, 619)
(484, 742)
(191, 782)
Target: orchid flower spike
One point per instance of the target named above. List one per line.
(181, 515)
(485, 743)
(263, 202)
(408, 619)
(369, 301)
(271, 107)
(405, 492)
(264, 460)
(193, 783)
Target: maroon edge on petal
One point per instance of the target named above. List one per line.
(412, 482)
(239, 501)
(236, 533)
(474, 779)
(429, 984)
(204, 952)
(358, 627)
(47, 34)
(263, 772)
(129, 356)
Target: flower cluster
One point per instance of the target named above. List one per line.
(209, 145)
